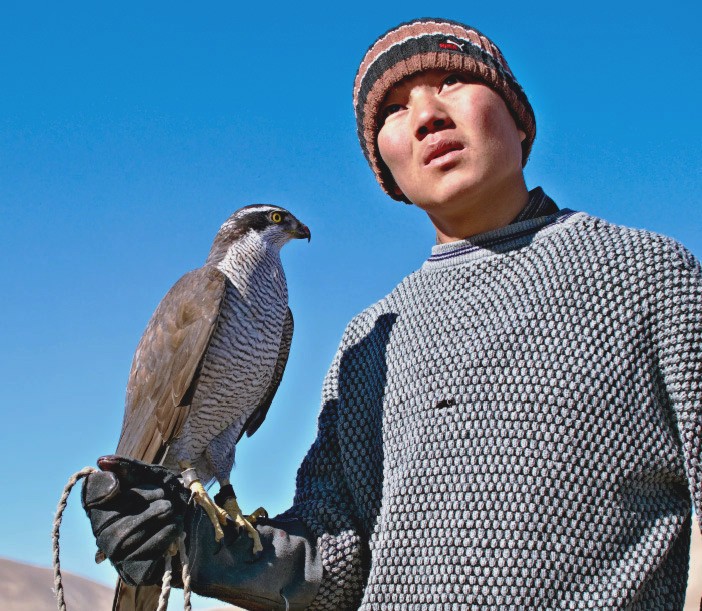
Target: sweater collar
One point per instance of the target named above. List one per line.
(540, 213)
(539, 204)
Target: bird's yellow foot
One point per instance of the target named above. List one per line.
(217, 515)
(232, 508)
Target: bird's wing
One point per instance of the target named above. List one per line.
(259, 414)
(167, 362)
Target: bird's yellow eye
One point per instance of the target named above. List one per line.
(276, 217)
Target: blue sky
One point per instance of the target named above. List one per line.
(130, 131)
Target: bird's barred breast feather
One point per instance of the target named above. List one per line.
(236, 371)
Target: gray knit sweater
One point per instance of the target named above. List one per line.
(517, 425)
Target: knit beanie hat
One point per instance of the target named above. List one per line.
(427, 44)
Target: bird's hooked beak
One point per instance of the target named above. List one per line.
(301, 231)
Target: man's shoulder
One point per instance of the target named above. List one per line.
(364, 322)
(382, 312)
(656, 249)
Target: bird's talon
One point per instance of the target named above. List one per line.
(216, 514)
(257, 548)
(243, 523)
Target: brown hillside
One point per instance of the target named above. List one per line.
(24, 587)
(694, 584)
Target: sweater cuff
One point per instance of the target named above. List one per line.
(342, 586)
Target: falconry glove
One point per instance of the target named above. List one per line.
(285, 575)
(136, 511)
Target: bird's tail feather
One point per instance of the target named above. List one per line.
(135, 598)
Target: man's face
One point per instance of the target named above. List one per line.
(449, 141)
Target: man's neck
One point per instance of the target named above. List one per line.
(487, 213)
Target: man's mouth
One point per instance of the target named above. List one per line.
(439, 149)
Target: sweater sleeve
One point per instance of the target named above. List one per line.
(679, 330)
(323, 502)
(340, 482)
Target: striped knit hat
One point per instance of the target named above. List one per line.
(427, 44)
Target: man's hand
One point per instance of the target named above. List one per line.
(136, 511)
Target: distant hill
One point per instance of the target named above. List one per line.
(694, 585)
(24, 587)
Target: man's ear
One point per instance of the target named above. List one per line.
(522, 135)
(397, 191)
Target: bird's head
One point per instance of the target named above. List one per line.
(271, 224)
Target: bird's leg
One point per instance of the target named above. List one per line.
(217, 515)
(227, 499)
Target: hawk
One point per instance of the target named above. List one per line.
(211, 359)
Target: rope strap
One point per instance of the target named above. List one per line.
(58, 584)
(167, 575)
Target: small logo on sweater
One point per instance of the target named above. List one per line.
(451, 44)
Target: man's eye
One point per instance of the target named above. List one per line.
(389, 110)
(452, 79)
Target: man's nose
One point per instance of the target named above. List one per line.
(430, 114)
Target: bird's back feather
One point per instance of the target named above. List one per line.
(166, 363)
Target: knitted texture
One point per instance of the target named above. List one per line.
(517, 425)
(428, 44)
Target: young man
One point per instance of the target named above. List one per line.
(517, 425)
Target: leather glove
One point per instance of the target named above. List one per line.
(136, 511)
